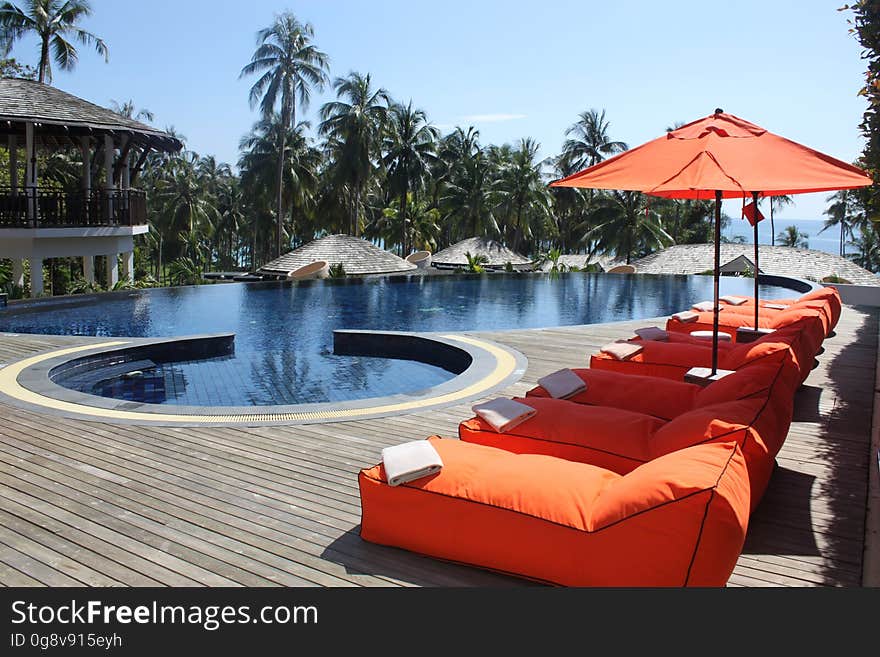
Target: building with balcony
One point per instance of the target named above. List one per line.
(98, 217)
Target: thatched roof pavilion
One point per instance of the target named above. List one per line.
(781, 260)
(496, 254)
(358, 257)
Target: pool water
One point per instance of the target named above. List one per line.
(284, 331)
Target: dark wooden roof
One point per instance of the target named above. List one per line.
(357, 256)
(497, 254)
(60, 114)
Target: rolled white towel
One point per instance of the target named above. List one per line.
(686, 316)
(621, 350)
(562, 383)
(776, 306)
(705, 306)
(652, 333)
(410, 461)
(732, 300)
(503, 414)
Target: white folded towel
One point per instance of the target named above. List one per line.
(776, 306)
(732, 300)
(503, 414)
(621, 350)
(562, 383)
(410, 461)
(708, 335)
(686, 316)
(704, 306)
(652, 333)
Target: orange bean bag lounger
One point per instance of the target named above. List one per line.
(829, 296)
(672, 360)
(664, 398)
(825, 316)
(677, 521)
(621, 441)
(728, 322)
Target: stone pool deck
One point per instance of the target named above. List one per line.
(95, 503)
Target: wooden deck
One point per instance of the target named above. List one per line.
(84, 503)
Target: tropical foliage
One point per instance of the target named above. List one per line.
(793, 237)
(55, 24)
(373, 166)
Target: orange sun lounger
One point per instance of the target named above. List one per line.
(826, 297)
(679, 520)
(673, 359)
(814, 322)
(622, 440)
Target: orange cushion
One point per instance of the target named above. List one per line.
(679, 520)
(610, 438)
(731, 421)
(643, 394)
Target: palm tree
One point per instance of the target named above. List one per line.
(521, 191)
(299, 167)
(867, 245)
(842, 213)
(467, 203)
(129, 111)
(54, 22)
(353, 124)
(289, 65)
(624, 226)
(791, 236)
(409, 147)
(184, 205)
(588, 142)
(777, 202)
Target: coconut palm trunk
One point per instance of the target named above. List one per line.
(772, 226)
(403, 251)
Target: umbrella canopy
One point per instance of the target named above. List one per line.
(720, 152)
(720, 156)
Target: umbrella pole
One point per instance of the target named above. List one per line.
(755, 203)
(717, 277)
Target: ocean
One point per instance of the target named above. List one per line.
(829, 241)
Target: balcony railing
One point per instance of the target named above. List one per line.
(35, 207)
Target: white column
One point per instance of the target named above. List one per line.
(112, 270)
(30, 172)
(18, 272)
(108, 173)
(13, 163)
(89, 268)
(128, 266)
(36, 276)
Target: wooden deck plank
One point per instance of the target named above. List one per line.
(98, 503)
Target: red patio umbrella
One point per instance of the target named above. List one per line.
(720, 156)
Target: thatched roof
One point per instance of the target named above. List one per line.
(60, 114)
(497, 254)
(356, 255)
(782, 260)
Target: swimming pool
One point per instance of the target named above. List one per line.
(284, 331)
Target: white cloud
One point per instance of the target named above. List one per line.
(491, 118)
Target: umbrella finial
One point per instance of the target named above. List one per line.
(718, 110)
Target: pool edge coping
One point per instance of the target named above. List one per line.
(25, 383)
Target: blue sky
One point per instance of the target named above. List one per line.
(512, 68)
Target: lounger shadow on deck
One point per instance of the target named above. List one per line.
(397, 564)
